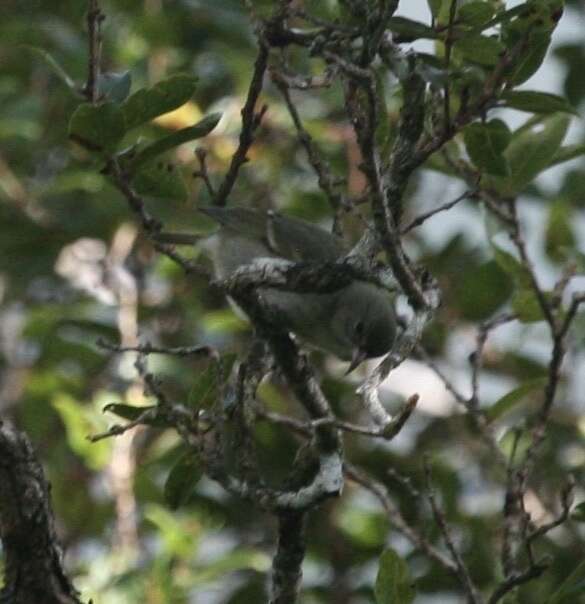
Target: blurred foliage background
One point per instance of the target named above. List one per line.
(75, 267)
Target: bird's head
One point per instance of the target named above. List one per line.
(366, 318)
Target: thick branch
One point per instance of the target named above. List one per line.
(34, 561)
(286, 566)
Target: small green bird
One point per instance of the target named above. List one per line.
(354, 323)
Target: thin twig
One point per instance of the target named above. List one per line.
(322, 170)
(250, 122)
(203, 173)
(447, 64)
(426, 215)
(147, 348)
(462, 570)
(396, 518)
(94, 20)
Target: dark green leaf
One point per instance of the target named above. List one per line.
(508, 402)
(537, 102)
(97, 127)
(200, 129)
(161, 180)
(475, 13)
(505, 16)
(115, 86)
(531, 57)
(132, 413)
(407, 30)
(481, 290)
(480, 49)
(393, 582)
(148, 103)
(485, 144)
(578, 512)
(572, 587)
(182, 480)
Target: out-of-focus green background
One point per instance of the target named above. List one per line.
(74, 267)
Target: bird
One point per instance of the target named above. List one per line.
(354, 323)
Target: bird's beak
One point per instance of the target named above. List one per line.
(357, 358)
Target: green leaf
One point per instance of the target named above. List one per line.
(407, 30)
(132, 413)
(480, 49)
(115, 86)
(537, 102)
(526, 305)
(161, 180)
(578, 512)
(559, 237)
(98, 127)
(481, 289)
(182, 480)
(393, 582)
(567, 153)
(508, 402)
(530, 59)
(511, 265)
(505, 16)
(55, 66)
(148, 103)
(79, 421)
(200, 129)
(205, 391)
(532, 150)
(435, 7)
(475, 13)
(226, 365)
(485, 144)
(571, 587)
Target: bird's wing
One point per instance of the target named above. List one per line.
(302, 241)
(288, 237)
